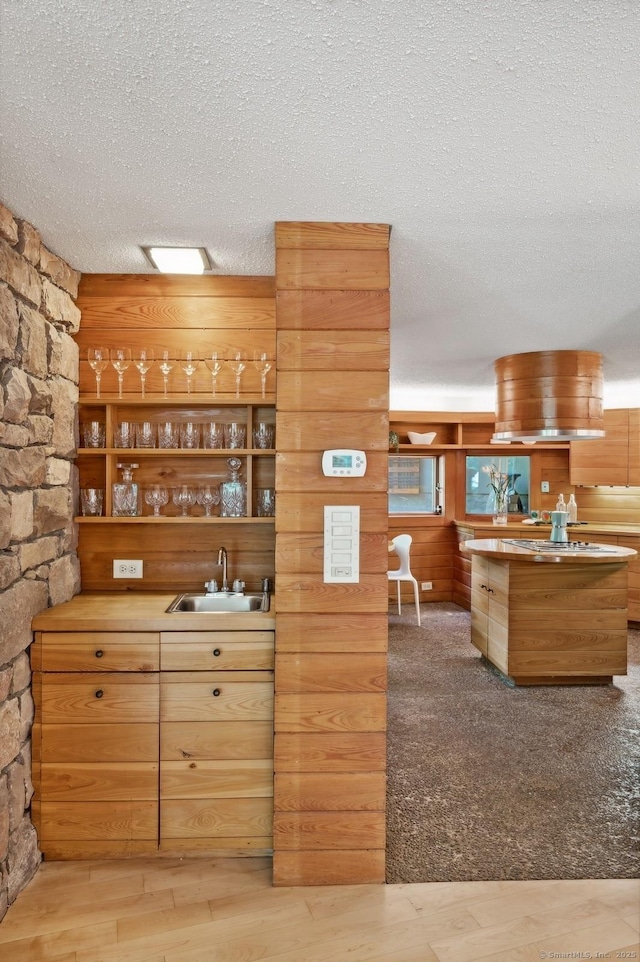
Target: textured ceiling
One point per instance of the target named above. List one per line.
(500, 139)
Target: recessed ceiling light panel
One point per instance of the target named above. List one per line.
(178, 260)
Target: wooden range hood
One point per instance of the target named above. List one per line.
(549, 396)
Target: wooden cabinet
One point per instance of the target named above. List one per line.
(613, 460)
(153, 739)
(175, 466)
(453, 429)
(489, 610)
(95, 743)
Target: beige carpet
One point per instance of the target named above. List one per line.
(488, 781)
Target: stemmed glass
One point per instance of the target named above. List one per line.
(156, 497)
(263, 363)
(143, 359)
(98, 358)
(189, 361)
(214, 363)
(184, 497)
(121, 359)
(166, 365)
(237, 362)
(207, 497)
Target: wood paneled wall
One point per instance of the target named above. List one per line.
(203, 313)
(332, 320)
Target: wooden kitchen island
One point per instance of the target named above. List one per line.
(550, 617)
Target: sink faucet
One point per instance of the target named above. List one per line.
(222, 560)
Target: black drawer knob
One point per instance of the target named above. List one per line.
(216, 652)
(99, 653)
(216, 692)
(99, 693)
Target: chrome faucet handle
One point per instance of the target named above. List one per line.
(211, 586)
(238, 586)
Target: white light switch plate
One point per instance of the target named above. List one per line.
(341, 543)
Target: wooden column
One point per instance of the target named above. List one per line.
(332, 323)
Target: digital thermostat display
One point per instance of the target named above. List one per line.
(344, 463)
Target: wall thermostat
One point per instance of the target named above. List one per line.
(344, 463)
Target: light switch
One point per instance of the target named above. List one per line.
(341, 543)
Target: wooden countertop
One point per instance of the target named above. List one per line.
(142, 611)
(581, 531)
(499, 548)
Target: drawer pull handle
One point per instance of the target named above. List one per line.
(99, 693)
(216, 652)
(99, 653)
(215, 692)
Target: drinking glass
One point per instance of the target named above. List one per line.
(214, 363)
(263, 435)
(189, 362)
(98, 358)
(143, 358)
(263, 363)
(213, 434)
(207, 497)
(237, 361)
(184, 498)
(120, 359)
(93, 434)
(124, 434)
(145, 434)
(168, 434)
(235, 435)
(265, 502)
(156, 497)
(166, 364)
(91, 501)
(190, 434)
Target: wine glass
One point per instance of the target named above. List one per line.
(98, 358)
(166, 365)
(184, 497)
(207, 497)
(121, 359)
(189, 362)
(263, 363)
(237, 362)
(156, 497)
(214, 363)
(143, 358)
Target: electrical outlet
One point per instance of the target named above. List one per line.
(123, 568)
(426, 585)
(544, 487)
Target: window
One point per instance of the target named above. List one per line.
(479, 493)
(414, 485)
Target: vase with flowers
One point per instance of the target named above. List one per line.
(499, 483)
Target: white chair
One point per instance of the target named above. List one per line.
(401, 545)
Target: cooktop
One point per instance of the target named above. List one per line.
(531, 544)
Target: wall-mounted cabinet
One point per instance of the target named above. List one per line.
(614, 460)
(173, 467)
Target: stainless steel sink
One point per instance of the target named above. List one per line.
(220, 601)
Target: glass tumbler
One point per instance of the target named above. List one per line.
(168, 434)
(93, 434)
(213, 434)
(91, 501)
(235, 435)
(265, 503)
(145, 434)
(190, 434)
(124, 434)
(263, 435)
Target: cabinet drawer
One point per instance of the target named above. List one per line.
(98, 820)
(104, 651)
(107, 698)
(248, 778)
(216, 650)
(216, 739)
(209, 696)
(100, 781)
(100, 743)
(223, 817)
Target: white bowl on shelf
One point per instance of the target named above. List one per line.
(416, 438)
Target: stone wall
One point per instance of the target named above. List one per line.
(38, 561)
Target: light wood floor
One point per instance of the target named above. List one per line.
(196, 910)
